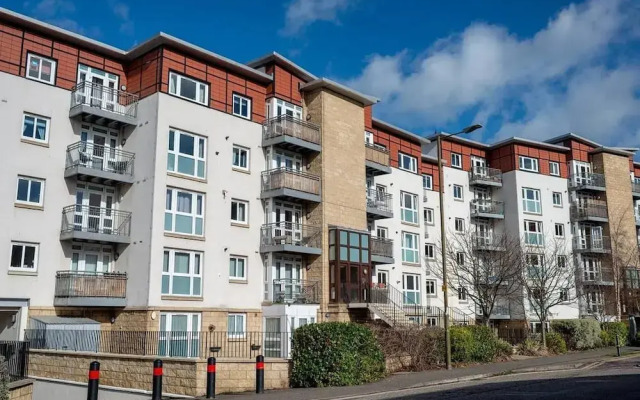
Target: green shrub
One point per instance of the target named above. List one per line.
(476, 343)
(413, 348)
(609, 331)
(4, 379)
(579, 334)
(461, 343)
(504, 348)
(528, 347)
(556, 343)
(335, 354)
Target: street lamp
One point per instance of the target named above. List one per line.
(447, 337)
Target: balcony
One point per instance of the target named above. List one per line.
(296, 291)
(99, 163)
(592, 244)
(90, 289)
(597, 277)
(487, 243)
(379, 204)
(587, 181)
(592, 210)
(498, 312)
(635, 189)
(290, 184)
(487, 209)
(381, 250)
(485, 176)
(96, 224)
(291, 133)
(103, 105)
(637, 217)
(291, 237)
(376, 160)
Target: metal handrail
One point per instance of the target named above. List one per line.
(286, 178)
(485, 240)
(286, 125)
(577, 181)
(635, 187)
(296, 291)
(99, 157)
(91, 219)
(592, 243)
(485, 174)
(381, 246)
(291, 233)
(479, 206)
(590, 209)
(382, 201)
(105, 98)
(91, 284)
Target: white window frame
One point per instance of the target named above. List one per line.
(554, 196)
(241, 98)
(458, 225)
(178, 84)
(412, 210)
(238, 150)
(368, 138)
(234, 334)
(22, 266)
(564, 295)
(233, 275)
(382, 232)
(429, 218)
(561, 261)
(30, 182)
(36, 57)
(239, 203)
(463, 295)
(199, 153)
(460, 189)
(430, 251)
(180, 338)
(456, 160)
(430, 288)
(537, 233)
(534, 167)
(554, 168)
(196, 264)
(195, 213)
(460, 258)
(531, 206)
(36, 120)
(413, 162)
(414, 249)
(559, 233)
(427, 181)
(415, 278)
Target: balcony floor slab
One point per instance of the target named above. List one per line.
(291, 142)
(379, 259)
(94, 237)
(291, 194)
(90, 302)
(290, 248)
(99, 175)
(96, 114)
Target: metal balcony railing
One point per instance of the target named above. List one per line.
(597, 244)
(590, 209)
(286, 125)
(479, 175)
(381, 201)
(376, 154)
(105, 98)
(597, 276)
(381, 247)
(284, 178)
(100, 158)
(635, 187)
(479, 207)
(586, 180)
(99, 220)
(296, 291)
(291, 233)
(486, 242)
(91, 284)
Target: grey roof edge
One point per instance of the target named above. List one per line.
(459, 139)
(612, 150)
(275, 56)
(400, 131)
(341, 89)
(530, 142)
(570, 135)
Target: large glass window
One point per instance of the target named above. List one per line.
(533, 233)
(41, 69)
(187, 154)
(410, 248)
(241, 106)
(531, 201)
(184, 212)
(236, 325)
(24, 257)
(407, 162)
(179, 335)
(188, 88)
(528, 164)
(182, 273)
(30, 191)
(409, 207)
(35, 128)
(411, 288)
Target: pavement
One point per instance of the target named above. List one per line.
(396, 384)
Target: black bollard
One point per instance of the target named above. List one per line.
(260, 374)
(211, 378)
(617, 345)
(156, 393)
(94, 377)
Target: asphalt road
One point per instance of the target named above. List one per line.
(614, 380)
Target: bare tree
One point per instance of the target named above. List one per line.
(487, 268)
(624, 255)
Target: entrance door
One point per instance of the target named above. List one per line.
(99, 89)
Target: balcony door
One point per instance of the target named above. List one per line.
(581, 170)
(94, 208)
(287, 160)
(91, 258)
(288, 221)
(483, 233)
(99, 88)
(99, 148)
(482, 200)
(591, 237)
(479, 166)
(287, 278)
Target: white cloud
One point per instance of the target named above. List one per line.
(302, 13)
(121, 11)
(51, 8)
(566, 77)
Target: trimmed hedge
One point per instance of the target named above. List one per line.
(556, 343)
(609, 331)
(4, 379)
(475, 343)
(579, 334)
(335, 354)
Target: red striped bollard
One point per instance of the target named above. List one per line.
(94, 378)
(156, 393)
(211, 378)
(260, 374)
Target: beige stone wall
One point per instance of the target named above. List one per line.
(21, 390)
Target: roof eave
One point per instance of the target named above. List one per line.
(400, 131)
(282, 60)
(364, 99)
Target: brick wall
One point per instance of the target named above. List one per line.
(579, 151)
(466, 151)
(396, 144)
(431, 169)
(506, 158)
(21, 390)
(285, 84)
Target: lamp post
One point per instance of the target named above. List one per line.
(445, 289)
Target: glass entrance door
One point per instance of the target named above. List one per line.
(94, 209)
(288, 274)
(479, 166)
(99, 88)
(99, 148)
(288, 222)
(582, 173)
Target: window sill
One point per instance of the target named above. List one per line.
(241, 281)
(181, 298)
(240, 225)
(531, 213)
(34, 142)
(191, 178)
(460, 200)
(24, 273)
(183, 236)
(410, 224)
(28, 206)
(408, 264)
(244, 171)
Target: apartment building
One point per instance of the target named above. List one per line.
(168, 188)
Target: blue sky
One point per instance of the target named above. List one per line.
(531, 68)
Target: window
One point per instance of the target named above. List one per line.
(41, 69)
(430, 287)
(557, 199)
(182, 273)
(241, 106)
(462, 294)
(456, 160)
(632, 278)
(188, 88)
(382, 232)
(559, 230)
(30, 191)
(533, 233)
(240, 158)
(531, 201)
(427, 182)
(240, 212)
(187, 154)
(236, 325)
(184, 212)
(410, 248)
(595, 302)
(459, 225)
(564, 295)
(591, 268)
(428, 216)
(457, 192)
(24, 257)
(179, 335)
(562, 261)
(460, 258)
(35, 128)
(430, 251)
(534, 264)
(238, 268)
(528, 164)
(554, 168)
(368, 138)
(411, 288)
(407, 162)
(409, 207)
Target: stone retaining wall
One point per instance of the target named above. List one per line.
(21, 390)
